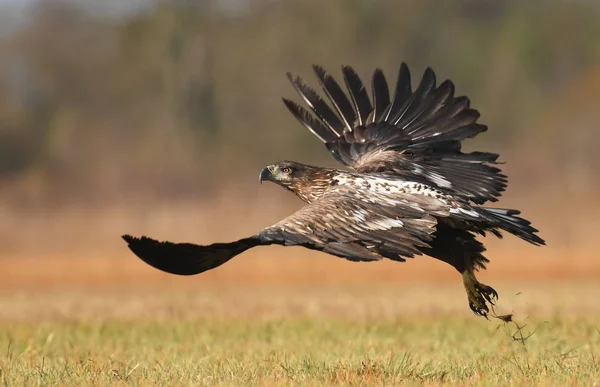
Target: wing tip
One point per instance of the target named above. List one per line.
(349, 70)
(378, 72)
(129, 239)
(139, 245)
(290, 77)
(404, 71)
(286, 101)
(318, 69)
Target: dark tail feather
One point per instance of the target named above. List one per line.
(186, 258)
(509, 221)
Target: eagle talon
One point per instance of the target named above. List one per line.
(479, 295)
(482, 312)
(478, 305)
(488, 293)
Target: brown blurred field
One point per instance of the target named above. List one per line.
(547, 279)
(77, 255)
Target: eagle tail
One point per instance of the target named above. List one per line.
(509, 221)
(187, 258)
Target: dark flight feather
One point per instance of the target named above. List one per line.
(421, 132)
(401, 93)
(309, 122)
(419, 101)
(337, 97)
(438, 100)
(381, 95)
(358, 95)
(318, 106)
(187, 258)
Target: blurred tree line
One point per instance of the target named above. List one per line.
(158, 101)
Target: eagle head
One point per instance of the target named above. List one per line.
(307, 182)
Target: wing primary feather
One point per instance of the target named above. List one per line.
(455, 107)
(401, 93)
(419, 101)
(381, 96)
(410, 133)
(318, 106)
(336, 96)
(310, 122)
(433, 110)
(358, 94)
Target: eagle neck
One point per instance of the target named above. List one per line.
(311, 187)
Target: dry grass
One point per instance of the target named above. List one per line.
(434, 351)
(298, 335)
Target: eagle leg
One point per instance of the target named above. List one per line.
(478, 294)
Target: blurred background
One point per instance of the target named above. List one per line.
(155, 118)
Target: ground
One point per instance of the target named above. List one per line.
(293, 320)
(432, 350)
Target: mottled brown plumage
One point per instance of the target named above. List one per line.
(410, 190)
(305, 181)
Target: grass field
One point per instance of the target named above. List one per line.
(439, 350)
(167, 330)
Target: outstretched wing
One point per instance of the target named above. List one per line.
(415, 134)
(383, 221)
(359, 226)
(187, 258)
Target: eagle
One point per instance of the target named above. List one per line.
(407, 188)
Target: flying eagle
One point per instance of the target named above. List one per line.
(409, 189)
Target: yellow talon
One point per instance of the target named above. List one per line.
(478, 294)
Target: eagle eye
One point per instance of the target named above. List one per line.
(286, 170)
